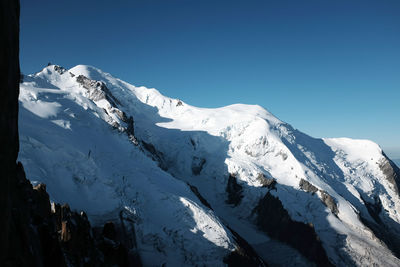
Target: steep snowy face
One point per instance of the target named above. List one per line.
(70, 142)
(288, 194)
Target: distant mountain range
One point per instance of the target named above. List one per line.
(232, 185)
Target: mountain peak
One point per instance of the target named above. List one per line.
(88, 71)
(106, 146)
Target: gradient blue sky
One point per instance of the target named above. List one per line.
(329, 68)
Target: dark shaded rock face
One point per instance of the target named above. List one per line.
(386, 233)
(117, 242)
(109, 231)
(199, 196)
(391, 171)
(234, 191)
(59, 69)
(9, 90)
(45, 235)
(113, 251)
(75, 237)
(156, 155)
(33, 239)
(273, 219)
(374, 209)
(130, 130)
(197, 165)
(307, 186)
(121, 115)
(243, 255)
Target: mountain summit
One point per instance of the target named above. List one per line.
(204, 186)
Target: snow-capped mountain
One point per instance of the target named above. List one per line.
(197, 184)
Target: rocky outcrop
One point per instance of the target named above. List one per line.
(234, 190)
(391, 172)
(379, 226)
(266, 181)
(59, 69)
(130, 130)
(243, 255)
(54, 235)
(113, 250)
(326, 199)
(122, 116)
(156, 155)
(75, 236)
(329, 201)
(374, 209)
(97, 90)
(307, 186)
(273, 219)
(117, 241)
(33, 240)
(9, 90)
(199, 196)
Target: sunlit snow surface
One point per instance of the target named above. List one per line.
(67, 142)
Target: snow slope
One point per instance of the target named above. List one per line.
(75, 137)
(66, 143)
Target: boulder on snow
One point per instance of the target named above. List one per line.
(59, 69)
(307, 186)
(266, 181)
(329, 202)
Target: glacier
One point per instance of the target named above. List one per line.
(193, 180)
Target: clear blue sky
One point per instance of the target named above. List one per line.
(329, 68)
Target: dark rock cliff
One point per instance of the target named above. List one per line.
(274, 219)
(9, 90)
(234, 190)
(391, 171)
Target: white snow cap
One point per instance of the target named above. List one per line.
(81, 148)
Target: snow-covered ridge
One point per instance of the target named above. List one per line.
(78, 136)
